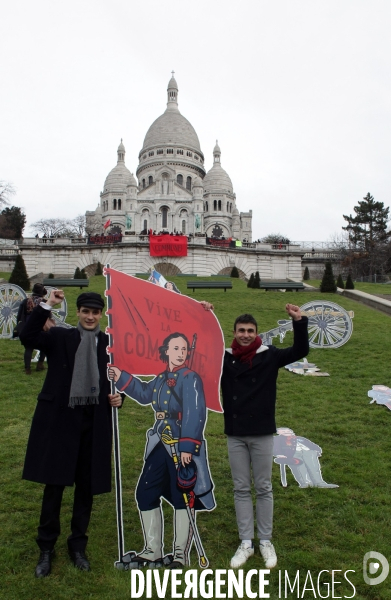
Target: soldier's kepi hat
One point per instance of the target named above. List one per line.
(90, 300)
(187, 476)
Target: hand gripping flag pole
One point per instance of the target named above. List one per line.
(116, 445)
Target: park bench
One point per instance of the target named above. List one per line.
(60, 283)
(205, 285)
(281, 285)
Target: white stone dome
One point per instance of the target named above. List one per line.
(119, 177)
(217, 179)
(171, 128)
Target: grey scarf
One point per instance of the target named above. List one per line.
(85, 378)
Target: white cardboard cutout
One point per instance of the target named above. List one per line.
(301, 455)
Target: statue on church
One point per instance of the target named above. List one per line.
(165, 185)
(128, 222)
(197, 221)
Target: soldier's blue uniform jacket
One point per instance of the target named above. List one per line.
(178, 399)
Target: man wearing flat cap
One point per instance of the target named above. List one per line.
(70, 437)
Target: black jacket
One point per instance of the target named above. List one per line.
(53, 445)
(249, 393)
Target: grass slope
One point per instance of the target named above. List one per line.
(314, 529)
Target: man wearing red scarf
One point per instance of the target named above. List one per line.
(249, 396)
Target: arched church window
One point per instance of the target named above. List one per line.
(164, 216)
(188, 183)
(159, 152)
(180, 179)
(214, 204)
(150, 180)
(183, 226)
(143, 183)
(151, 153)
(219, 204)
(227, 206)
(230, 207)
(170, 151)
(196, 156)
(206, 207)
(119, 203)
(189, 154)
(115, 204)
(179, 151)
(145, 225)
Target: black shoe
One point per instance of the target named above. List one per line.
(80, 560)
(44, 565)
(175, 565)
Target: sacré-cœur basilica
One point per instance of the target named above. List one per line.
(174, 192)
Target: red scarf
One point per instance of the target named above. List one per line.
(246, 353)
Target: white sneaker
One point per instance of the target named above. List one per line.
(269, 554)
(241, 555)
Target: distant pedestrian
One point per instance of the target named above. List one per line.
(24, 312)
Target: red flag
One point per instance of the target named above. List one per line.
(142, 315)
(167, 245)
(105, 226)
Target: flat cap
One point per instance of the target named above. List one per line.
(39, 290)
(90, 300)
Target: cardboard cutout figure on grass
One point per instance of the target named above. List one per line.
(381, 394)
(172, 338)
(305, 368)
(301, 456)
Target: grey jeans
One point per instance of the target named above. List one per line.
(256, 452)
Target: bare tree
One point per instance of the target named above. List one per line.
(93, 224)
(6, 191)
(78, 225)
(52, 227)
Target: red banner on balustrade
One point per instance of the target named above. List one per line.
(142, 315)
(168, 245)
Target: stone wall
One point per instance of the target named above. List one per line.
(132, 256)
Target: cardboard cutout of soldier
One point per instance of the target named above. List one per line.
(187, 369)
(305, 368)
(301, 456)
(381, 394)
(158, 279)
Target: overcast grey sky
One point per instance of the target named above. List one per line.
(297, 92)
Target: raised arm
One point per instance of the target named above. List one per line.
(33, 335)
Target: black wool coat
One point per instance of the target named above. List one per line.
(249, 393)
(53, 445)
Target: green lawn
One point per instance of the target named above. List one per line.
(315, 529)
(369, 288)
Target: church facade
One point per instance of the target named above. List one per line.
(173, 192)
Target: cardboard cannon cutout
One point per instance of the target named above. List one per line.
(329, 325)
(173, 339)
(301, 456)
(11, 296)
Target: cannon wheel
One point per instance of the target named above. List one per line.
(329, 325)
(10, 298)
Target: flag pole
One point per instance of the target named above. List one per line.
(116, 444)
